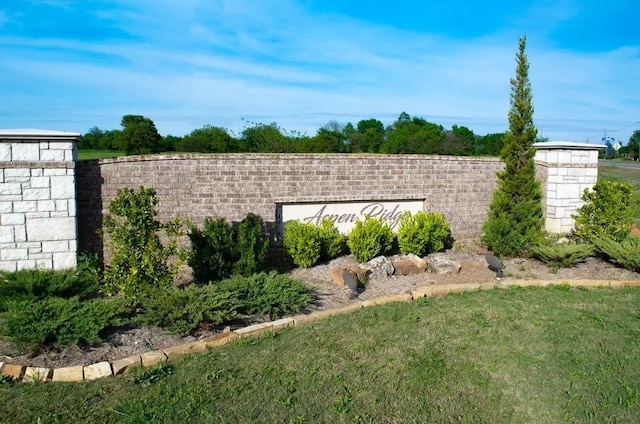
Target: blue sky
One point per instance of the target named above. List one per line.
(71, 65)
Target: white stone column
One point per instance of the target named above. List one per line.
(37, 199)
(570, 169)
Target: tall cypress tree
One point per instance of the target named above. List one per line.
(515, 219)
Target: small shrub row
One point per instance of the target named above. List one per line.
(59, 322)
(625, 253)
(219, 250)
(182, 311)
(562, 255)
(420, 234)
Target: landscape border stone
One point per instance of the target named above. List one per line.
(151, 358)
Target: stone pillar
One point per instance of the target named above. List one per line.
(37, 200)
(566, 169)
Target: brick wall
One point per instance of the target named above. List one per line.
(37, 203)
(194, 186)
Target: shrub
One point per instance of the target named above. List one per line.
(332, 242)
(562, 255)
(182, 311)
(213, 250)
(303, 243)
(39, 284)
(422, 233)
(270, 294)
(60, 322)
(370, 238)
(625, 253)
(138, 257)
(252, 245)
(607, 211)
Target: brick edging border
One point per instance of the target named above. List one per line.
(148, 359)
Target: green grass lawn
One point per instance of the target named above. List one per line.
(98, 154)
(501, 356)
(627, 175)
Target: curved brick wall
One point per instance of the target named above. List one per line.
(194, 186)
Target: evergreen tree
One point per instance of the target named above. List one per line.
(515, 220)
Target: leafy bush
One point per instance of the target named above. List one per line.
(252, 245)
(60, 322)
(422, 233)
(607, 211)
(303, 243)
(562, 255)
(138, 257)
(213, 250)
(39, 284)
(370, 238)
(331, 240)
(182, 311)
(270, 294)
(625, 253)
(308, 243)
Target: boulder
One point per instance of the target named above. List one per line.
(408, 264)
(440, 264)
(380, 267)
(344, 277)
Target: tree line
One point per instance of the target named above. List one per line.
(407, 135)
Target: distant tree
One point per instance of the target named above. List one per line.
(208, 139)
(368, 137)
(169, 142)
(326, 141)
(139, 135)
(458, 141)
(490, 144)
(634, 145)
(266, 138)
(91, 139)
(514, 221)
(412, 135)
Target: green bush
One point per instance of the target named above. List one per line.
(625, 253)
(252, 245)
(607, 211)
(370, 238)
(61, 322)
(270, 294)
(331, 240)
(562, 255)
(138, 257)
(422, 233)
(39, 284)
(182, 311)
(303, 243)
(213, 250)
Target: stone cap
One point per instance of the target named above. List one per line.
(36, 134)
(568, 145)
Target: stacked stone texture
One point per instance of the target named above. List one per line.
(37, 205)
(196, 186)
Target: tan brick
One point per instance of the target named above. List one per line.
(589, 283)
(487, 286)
(124, 365)
(304, 319)
(387, 299)
(13, 371)
(631, 283)
(254, 330)
(68, 374)
(33, 374)
(282, 323)
(152, 358)
(441, 289)
(175, 352)
(97, 370)
(219, 339)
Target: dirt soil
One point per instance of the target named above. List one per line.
(123, 343)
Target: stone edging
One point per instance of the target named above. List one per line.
(154, 357)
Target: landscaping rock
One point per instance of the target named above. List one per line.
(32, 374)
(97, 370)
(123, 365)
(380, 267)
(13, 371)
(175, 352)
(68, 374)
(440, 264)
(152, 358)
(406, 268)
